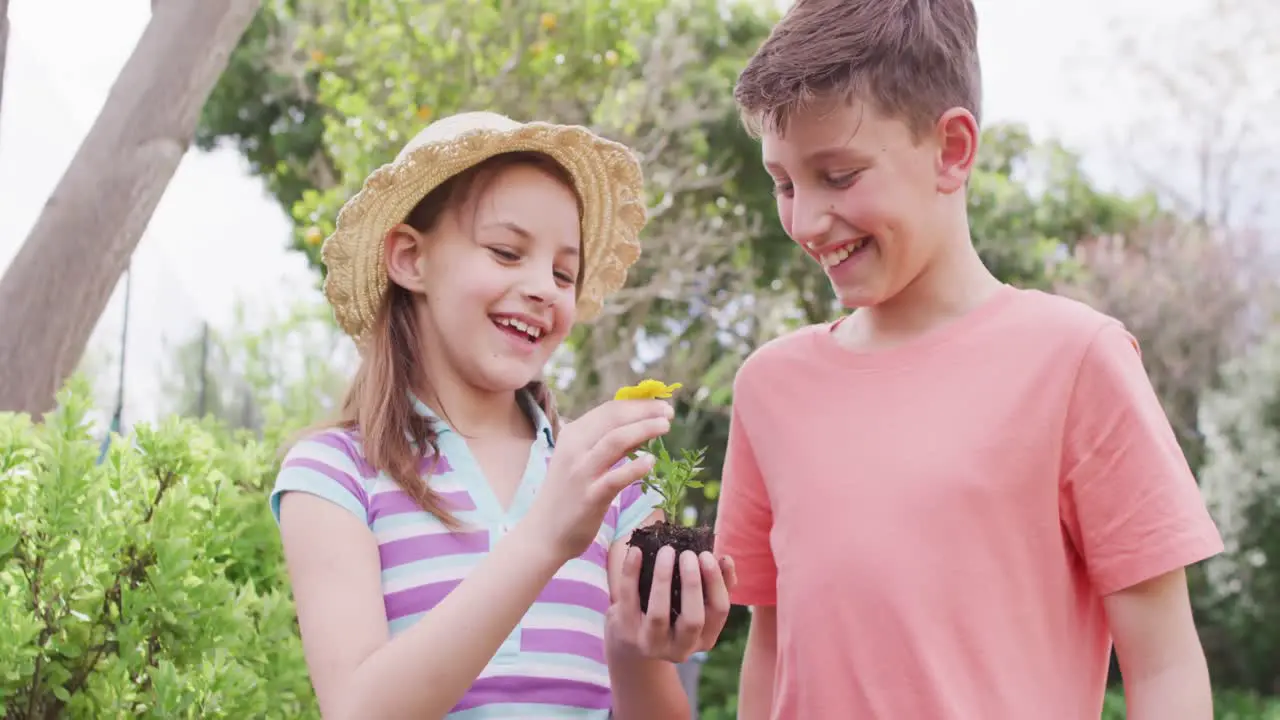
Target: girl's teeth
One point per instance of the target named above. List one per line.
(529, 330)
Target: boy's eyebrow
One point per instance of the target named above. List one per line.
(837, 153)
(826, 155)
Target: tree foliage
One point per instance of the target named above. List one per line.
(1241, 479)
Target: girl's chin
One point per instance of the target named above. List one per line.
(503, 375)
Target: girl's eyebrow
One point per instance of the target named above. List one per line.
(526, 235)
(513, 227)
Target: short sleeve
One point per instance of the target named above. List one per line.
(325, 465)
(1130, 501)
(744, 519)
(635, 504)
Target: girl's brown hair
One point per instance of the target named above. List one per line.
(379, 404)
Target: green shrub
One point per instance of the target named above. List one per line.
(149, 584)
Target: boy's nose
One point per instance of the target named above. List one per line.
(810, 222)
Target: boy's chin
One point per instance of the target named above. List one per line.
(857, 298)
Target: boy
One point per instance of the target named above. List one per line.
(946, 505)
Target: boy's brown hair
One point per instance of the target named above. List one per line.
(914, 58)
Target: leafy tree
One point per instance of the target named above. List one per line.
(1241, 478)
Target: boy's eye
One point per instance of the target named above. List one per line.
(505, 254)
(565, 278)
(783, 188)
(842, 180)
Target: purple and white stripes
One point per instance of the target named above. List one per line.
(553, 666)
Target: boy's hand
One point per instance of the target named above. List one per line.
(705, 586)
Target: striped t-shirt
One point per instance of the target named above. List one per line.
(552, 665)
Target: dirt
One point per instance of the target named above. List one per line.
(652, 538)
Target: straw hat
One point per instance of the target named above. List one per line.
(606, 175)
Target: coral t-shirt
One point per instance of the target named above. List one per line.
(938, 522)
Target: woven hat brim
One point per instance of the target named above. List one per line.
(606, 175)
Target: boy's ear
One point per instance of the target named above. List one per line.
(403, 254)
(958, 136)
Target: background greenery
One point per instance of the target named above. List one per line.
(147, 581)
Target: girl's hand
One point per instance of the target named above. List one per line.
(704, 599)
(586, 471)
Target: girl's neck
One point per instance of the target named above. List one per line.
(473, 413)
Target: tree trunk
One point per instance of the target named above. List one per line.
(59, 283)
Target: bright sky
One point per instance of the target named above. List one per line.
(217, 236)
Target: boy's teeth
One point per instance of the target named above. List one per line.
(835, 257)
(529, 330)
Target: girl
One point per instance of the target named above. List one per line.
(444, 562)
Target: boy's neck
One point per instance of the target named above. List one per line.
(952, 286)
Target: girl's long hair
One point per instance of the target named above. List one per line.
(397, 439)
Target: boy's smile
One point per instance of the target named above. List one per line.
(839, 254)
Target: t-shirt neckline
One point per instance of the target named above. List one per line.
(904, 353)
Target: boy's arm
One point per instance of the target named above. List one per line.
(755, 689)
(1163, 665)
(744, 521)
(1135, 515)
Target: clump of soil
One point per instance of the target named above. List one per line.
(651, 538)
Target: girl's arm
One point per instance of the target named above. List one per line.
(642, 687)
(356, 670)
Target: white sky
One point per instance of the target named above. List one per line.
(218, 237)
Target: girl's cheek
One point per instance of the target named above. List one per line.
(565, 316)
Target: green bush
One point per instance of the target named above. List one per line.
(147, 583)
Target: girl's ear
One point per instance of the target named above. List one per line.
(403, 252)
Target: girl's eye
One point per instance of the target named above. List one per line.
(565, 278)
(505, 254)
(783, 189)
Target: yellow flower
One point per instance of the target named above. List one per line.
(314, 236)
(646, 390)
(611, 58)
(548, 21)
(317, 56)
(424, 112)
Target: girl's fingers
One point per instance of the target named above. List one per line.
(730, 572)
(621, 440)
(628, 592)
(655, 630)
(607, 487)
(715, 590)
(692, 618)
